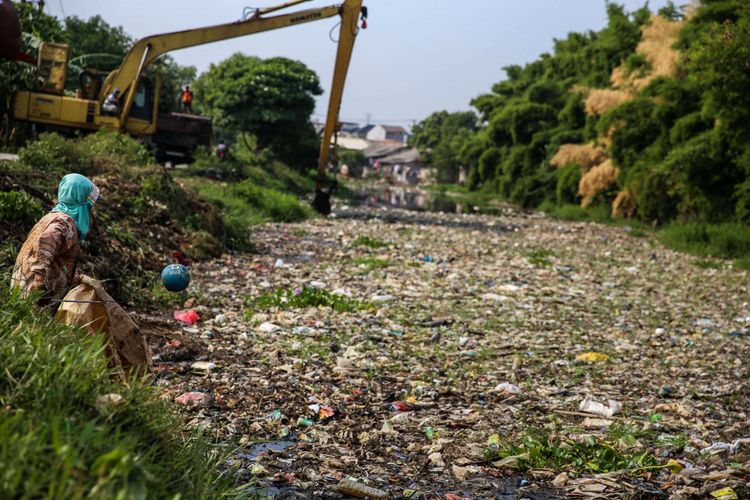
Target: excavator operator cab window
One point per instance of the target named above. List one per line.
(143, 101)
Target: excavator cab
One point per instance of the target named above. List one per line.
(143, 102)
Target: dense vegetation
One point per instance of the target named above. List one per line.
(648, 117)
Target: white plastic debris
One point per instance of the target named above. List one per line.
(589, 405)
(494, 297)
(268, 327)
(382, 298)
(507, 388)
(202, 367)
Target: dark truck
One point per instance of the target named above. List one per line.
(178, 135)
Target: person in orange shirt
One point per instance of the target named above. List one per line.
(186, 98)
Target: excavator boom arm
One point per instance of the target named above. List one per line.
(149, 48)
(347, 35)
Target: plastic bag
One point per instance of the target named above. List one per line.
(188, 317)
(90, 307)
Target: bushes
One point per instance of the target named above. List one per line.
(19, 209)
(246, 203)
(280, 207)
(54, 153)
(115, 150)
(568, 179)
(91, 155)
(657, 199)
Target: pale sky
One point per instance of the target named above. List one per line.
(416, 57)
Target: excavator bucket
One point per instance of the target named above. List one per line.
(322, 201)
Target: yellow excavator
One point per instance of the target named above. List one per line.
(137, 110)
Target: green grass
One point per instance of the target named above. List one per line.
(302, 298)
(367, 241)
(246, 205)
(371, 263)
(56, 443)
(707, 264)
(539, 450)
(540, 258)
(725, 241)
(599, 213)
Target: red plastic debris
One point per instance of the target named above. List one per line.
(181, 258)
(192, 399)
(401, 406)
(189, 317)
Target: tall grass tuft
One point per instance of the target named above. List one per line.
(58, 443)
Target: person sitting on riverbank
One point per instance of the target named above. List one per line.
(48, 259)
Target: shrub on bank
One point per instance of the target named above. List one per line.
(93, 154)
(727, 241)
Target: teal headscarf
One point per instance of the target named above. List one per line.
(76, 196)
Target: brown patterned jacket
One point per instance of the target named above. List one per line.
(47, 260)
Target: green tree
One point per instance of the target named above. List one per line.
(440, 139)
(96, 36)
(272, 99)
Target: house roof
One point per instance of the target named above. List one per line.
(364, 130)
(354, 143)
(349, 127)
(394, 129)
(410, 155)
(384, 148)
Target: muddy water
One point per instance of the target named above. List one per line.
(414, 199)
(409, 198)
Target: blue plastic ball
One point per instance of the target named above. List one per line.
(175, 277)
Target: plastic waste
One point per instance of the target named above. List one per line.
(202, 367)
(592, 357)
(382, 298)
(359, 490)
(192, 399)
(507, 388)
(89, 306)
(401, 406)
(305, 422)
(725, 494)
(268, 327)
(189, 317)
(589, 405)
(274, 415)
(107, 402)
